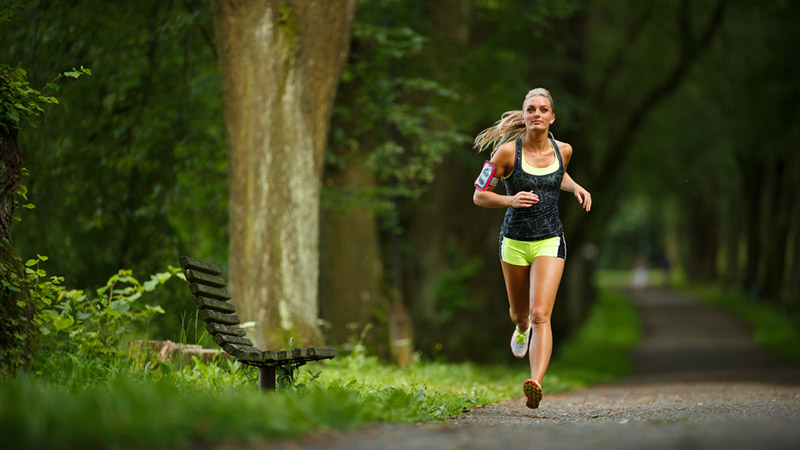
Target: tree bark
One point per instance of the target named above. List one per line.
(280, 63)
(13, 319)
(351, 267)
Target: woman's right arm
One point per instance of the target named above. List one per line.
(503, 159)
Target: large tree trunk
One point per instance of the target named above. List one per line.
(280, 62)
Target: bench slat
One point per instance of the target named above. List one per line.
(202, 290)
(216, 305)
(214, 328)
(192, 263)
(213, 316)
(322, 352)
(221, 339)
(244, 353)
(196, 276)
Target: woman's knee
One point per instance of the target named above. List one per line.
(519, 316)
(540, 316)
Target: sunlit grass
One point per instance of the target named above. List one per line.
(212, 403)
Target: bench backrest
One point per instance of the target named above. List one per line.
(219, 314)
(216, 310)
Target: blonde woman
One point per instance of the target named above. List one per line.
(533, 251)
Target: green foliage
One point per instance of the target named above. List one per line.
(73, 324)
(19, 102)
(132, 168)
(387, 119)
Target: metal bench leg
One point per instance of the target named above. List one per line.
(266, 378)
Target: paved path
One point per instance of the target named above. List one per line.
(698, 382)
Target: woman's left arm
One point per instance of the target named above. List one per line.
(583, 196)
(569, 185)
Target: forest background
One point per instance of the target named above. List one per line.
(682, 114)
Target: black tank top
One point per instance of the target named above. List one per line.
(540, 221)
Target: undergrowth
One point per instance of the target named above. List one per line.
(113, 404)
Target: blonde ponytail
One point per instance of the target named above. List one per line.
(509, 127)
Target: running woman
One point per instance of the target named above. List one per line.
(533, 167)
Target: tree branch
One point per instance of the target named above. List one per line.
(611, 166)
(642, 16)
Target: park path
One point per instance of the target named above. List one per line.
(699, 382)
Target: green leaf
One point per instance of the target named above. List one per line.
(42, 257)
(31, 262)
(150, 285)
(44, 330)
(29, 206)
(63, 322)
(111, 312)
(53, 86)
(72, 74)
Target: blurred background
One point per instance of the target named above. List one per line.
(683, 116)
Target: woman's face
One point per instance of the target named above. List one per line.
(537, 113)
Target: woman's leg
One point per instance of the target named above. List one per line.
(518, 287)
(545, 277)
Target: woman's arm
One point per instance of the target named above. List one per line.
(583, 196)
(503, 160)
(568, 184)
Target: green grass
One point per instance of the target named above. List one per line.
(220, 403)
(599, 351)
(773, 328)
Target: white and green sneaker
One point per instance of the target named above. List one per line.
(519, 342)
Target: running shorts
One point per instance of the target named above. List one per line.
(522, 253)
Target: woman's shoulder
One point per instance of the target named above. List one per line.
(504, 157)
(564, 147)
(508, 148)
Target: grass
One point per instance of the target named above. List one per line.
(220, 403)
(772, 327)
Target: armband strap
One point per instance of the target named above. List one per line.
(487, 177)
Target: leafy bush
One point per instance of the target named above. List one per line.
(75, 324)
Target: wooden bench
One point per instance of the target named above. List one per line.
(219, 314)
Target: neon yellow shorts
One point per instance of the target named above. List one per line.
(522, 253)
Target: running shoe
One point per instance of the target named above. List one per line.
(519, 342)
(532, 390)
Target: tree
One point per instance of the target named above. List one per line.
(19, 104)
(280, 63)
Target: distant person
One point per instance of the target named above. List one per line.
(640, 275)
(533, 251)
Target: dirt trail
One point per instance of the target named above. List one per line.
(699, 382)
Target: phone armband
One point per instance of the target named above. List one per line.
(487, 177)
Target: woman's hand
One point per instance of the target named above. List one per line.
(583, 196)
(524, 199)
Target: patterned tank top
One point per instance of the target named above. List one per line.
(542, 220)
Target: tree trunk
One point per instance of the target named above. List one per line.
(280, 63)
(778, 203)
(13, 319)
(702, 235)
(351, 266)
